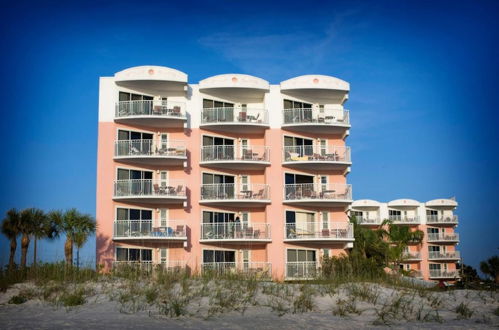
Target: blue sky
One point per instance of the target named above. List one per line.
(424, 79)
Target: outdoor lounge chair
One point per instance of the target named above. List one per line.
(242, 116)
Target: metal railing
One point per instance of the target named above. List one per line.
(412, 255)
(232, 191)
(148, 266)
(234, 153)
(444, 255)
(401, 219)
(444, 273)
(369, 221)
(230, 115)
(260, 269)
(157, 108)
(301, 269)
(152, 188)
(316, 153)
(313, 230)
(150, 148)
(235, 230)
(442, 237)
(144, 229)
(318, 191)
(441, 220)
(316, 116)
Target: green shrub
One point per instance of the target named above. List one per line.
(17, 300)
(463, 311)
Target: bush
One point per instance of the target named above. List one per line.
(17, 300)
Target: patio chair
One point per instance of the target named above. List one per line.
(260, 194)
(325, 232)
(179, 231)
(242, 116)
(247, 154)
(264, 156)
(318, 157)
(256, 233)
(157, 189)
(135, 151)
(157, 109)
(179, 190)
(249, 232)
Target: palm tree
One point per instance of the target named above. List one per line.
(11, 229)
(43, 227)
(369, 243)
(77, 227)
(29, 220)
(399, 237)
(490, 267)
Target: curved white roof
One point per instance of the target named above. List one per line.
(151, 72)
(404, 202)
(441, 202)
(234, 80)
(315, 82)
(365, 203)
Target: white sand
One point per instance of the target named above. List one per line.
(101, 311)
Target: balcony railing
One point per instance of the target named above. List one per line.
(148, 266)
(435, 219)
(369, 221)
(401, 219)
(443, 237)
(150, 148)
(233, 153)
(235, 231)
(143, 229)
(232, 191)
(317, 153)
(152, 188)
(156, 108)
(444, 274)
(316, 116)
(301, 269)
(318, 191)
(412, 255)
(259, 269)
(234, 116)
(318, 230)
(444, 255)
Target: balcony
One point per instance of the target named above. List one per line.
(150, 191)
(301, 270)
(369, 221)
(152, 113)
(444, 274)
(443, 237)
(257, 269)
(316, 232)
(436, 255)
(151, 152)
(240, 195)
(312, 194)
(130, 230)
(233, 232)
(228, 157)
(317, 157)
(412, 256)
(237, 120)
(403, 220)
(316, 120)
(438, 220)
(148, 266)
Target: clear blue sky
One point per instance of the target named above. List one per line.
(424, 81)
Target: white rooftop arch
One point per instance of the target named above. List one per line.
(366, 203)
(152, 79)
(441, 202)
(317, 88)
(404, 202)
(235, 86)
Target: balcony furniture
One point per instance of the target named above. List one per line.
(246, 194)
(176, 111)
(264, 156)
(179, 231)
(247, 154)
(157, 110)
(329, 119)
(325, 232)
(242, 116)
(256, 234)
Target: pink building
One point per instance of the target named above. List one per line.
(231, 173)
(437, 257)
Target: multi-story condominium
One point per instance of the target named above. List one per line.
(437, 257)
(230, 174)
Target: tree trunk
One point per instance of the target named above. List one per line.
(497, 279)
(34, 252)
(24, 249)
(13, 248)
(68, 251)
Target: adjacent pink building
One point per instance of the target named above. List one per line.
(437, 257)
(230, 173)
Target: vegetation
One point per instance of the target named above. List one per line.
(11, 228)
(490, 267)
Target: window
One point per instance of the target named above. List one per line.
(325, 253)
(431, 230)
(433, 248)
(218, 217)
(164, 256)
(289, 104)
(163, 216)
(139, 255)
(164, 178)
(298, 145)
(124, 96)
(245, 219)
(245, 183)
(133, 214)
(219, 256)
(296, 255)
(434, 267)
(325, 220)
(357, 214)
(394, 215)
(246, 259)
(207, 103)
